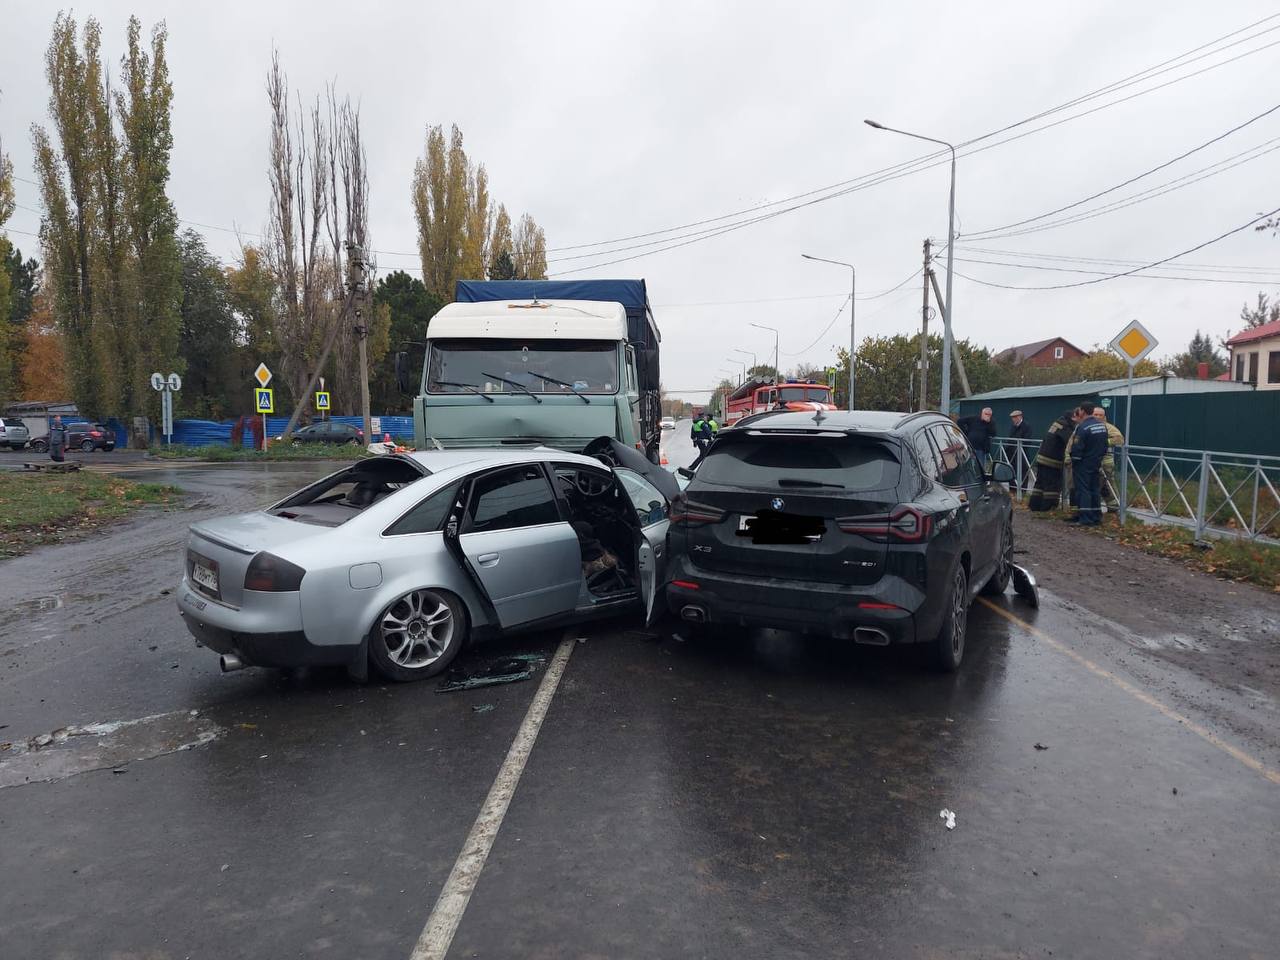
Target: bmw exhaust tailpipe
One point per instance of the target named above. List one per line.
(871, 635)
(230, 662)
(693, 614)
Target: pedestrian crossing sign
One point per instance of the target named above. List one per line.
(322, 399)
(263, 402)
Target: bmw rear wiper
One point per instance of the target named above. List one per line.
(469, 387)
(512, 383)
(801, 482)
(561, 383)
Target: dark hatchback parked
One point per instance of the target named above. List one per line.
(83, 436)
(879, 527)
(327, 431)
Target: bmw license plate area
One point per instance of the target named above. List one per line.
(204, 574)
(775, 527)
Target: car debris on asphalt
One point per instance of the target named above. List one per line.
(492, 673)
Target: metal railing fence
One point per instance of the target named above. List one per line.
(1207, 491)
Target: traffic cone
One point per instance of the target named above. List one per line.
(664, 461)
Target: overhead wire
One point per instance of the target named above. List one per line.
(1145, 276)
(1133, 179)
(1128, 273)
(1229, 268)
(1159, 190)
(1146, 74)
(878, 177)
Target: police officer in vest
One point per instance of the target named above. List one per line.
(1088, 446)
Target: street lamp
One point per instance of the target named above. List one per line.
(853, 291)
(761, 326)
(951, 236)
(746, 353)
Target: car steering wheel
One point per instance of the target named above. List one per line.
(590, 484)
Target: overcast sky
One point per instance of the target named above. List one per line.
(608, 120)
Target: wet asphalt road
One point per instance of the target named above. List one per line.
(750, 795)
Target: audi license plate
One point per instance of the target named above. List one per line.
(203, 576)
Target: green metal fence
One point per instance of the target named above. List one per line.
(1238, 422)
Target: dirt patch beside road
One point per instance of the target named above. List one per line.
(1225, 632)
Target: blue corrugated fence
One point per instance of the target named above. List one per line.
(205, 433)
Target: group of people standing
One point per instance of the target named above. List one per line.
(1084, 440)
(703, 431)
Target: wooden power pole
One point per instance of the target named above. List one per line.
(924, 330)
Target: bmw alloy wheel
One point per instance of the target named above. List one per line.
(417, 629)
(959, 611)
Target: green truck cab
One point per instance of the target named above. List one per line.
(543, 362)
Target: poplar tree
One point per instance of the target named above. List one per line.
(109, 230)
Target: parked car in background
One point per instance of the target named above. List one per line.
(396, 561)
(326, 431)
(876, 527)
(668, 423)
(13, 433)
(85, 436)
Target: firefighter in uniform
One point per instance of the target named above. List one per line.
(1047, 492)
(1088, 447)
(1115, 440)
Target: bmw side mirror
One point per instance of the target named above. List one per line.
(1002, 473)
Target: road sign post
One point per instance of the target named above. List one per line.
(262, 395)
(167, 387)
(1132, 343)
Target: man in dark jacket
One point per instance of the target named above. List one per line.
(1088, 447)
(700, 433)
(980, 431)
(1020, 430)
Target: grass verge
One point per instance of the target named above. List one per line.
(39, 508)
(274, 453)
(1244, 561)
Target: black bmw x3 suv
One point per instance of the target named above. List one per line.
(879, 527)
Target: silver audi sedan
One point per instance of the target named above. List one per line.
(396, 562)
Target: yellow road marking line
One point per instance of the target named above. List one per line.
(1250, 761)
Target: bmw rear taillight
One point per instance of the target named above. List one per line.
(690, 514)
(272, 574)
(906, 524)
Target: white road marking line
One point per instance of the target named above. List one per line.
(437, 935)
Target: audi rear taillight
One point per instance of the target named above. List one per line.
(272, 574)
(691, 514)
(906, 524)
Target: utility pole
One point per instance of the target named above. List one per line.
(955, 351)
(357, 275)
(924, 329)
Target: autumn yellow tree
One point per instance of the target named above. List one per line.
(462, 232)
(44, 369)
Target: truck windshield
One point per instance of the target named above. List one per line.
(590, 366)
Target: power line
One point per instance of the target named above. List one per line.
(1128, 273)
(1159, 190)
(894, 173)
(1125, 183)
(1115, 262)
(1147, 74)
(1107, 273)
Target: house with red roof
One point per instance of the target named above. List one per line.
(1255, 356)
(1042, 353)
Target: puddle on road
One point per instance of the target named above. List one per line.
(68, 751)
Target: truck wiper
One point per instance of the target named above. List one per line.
(512, 383)
(560, 383)
(469, 387)
(801, 482)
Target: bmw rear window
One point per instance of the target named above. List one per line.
(797, 462)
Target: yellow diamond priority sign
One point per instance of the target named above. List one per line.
(1133, 343)
(262, 375)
